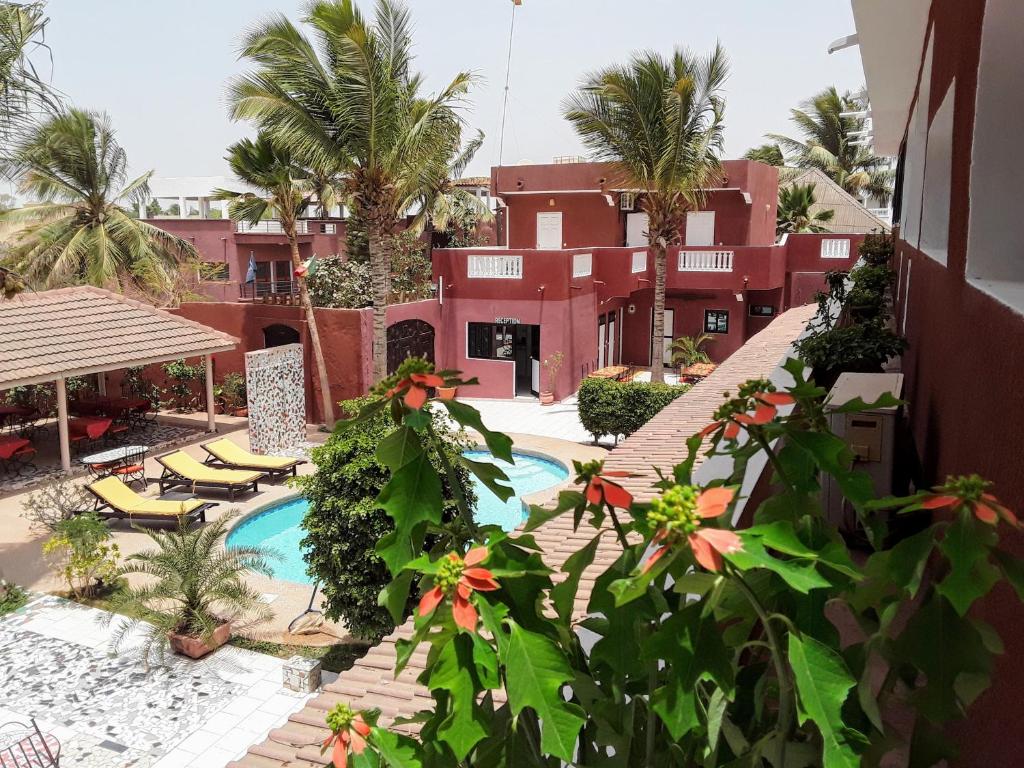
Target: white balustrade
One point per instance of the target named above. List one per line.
(705, 261)
(506, 266)
(833, 248)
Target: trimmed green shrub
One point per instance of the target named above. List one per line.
(614, 408)
(344, 523)
(863, 347)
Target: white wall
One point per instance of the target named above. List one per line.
(938, 168)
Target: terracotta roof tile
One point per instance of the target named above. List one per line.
(81, 329)
(370, 683)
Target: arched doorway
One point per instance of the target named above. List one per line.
(278, 335)
(409, 338)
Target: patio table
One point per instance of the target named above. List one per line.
(10, 445)
(610, 372)
(88, 426)
(125, 461)
(12, 413)
(15, 452)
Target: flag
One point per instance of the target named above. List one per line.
(250, 275)
(307, 268)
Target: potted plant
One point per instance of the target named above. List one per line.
(447, 393)
(195, 592)
(551, 365)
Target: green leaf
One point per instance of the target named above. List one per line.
(563, 595)
(885, 400)
(1013, 569)
(399, 448)
(695, 583)
(537, 672)
(452, 671)
(823, 682)
(395, 595)
(467, 416)
(566, 500)
(490, 474)
(398, 751)
(971, 575)
(716, 711)
(486, 660)
(800, 576)
(411, 497)
(781, 536)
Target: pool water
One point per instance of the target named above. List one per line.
(279, 527)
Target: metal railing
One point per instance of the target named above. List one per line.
(277, 290)
(504, 267)
(705, 261)
(268, 227)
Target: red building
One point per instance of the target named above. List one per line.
(944, 80)
(576, 277)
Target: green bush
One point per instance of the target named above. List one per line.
(12, 597)
(84, 553)
(877, 249)
(863, 347)
(344, 523)
(614, 408)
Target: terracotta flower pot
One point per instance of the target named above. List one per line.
(547, 398)
(195, 647)
(241, 411)
(447, 393)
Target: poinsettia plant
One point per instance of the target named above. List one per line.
(703, 643)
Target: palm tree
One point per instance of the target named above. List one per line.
(660, 121)
(689, 350)
(24, 95)
(445, 207)
(286, 191)
(351, 98)
(81, 231)
(827, 144)
(794, 212)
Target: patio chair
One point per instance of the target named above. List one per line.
(16, 454)
(25, 746)
(225, 453)
(182, 469)
(116, 500)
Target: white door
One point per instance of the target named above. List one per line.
(666, 341)
(602, 339)
(636, 229)
(611, 339)
(549, 231)
(700, 228)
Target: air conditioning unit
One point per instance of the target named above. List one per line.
(627, 201)
(871, 436)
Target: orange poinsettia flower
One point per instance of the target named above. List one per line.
(415, 388)
(348, 733)
(677, 516)
(972, 492)
(736, 412)
(602, 490)
(460, 577)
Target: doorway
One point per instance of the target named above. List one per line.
(278, 335)
(527, 357)
(666, 341)
(549, 231)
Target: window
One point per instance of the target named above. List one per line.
(582, 264)
(489, 341)
(716, 321)
(762, 310)
(832, 248)
(937, 176)
(639, 261)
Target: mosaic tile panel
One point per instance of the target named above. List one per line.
(275, 387)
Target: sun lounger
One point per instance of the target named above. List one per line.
(224, 453)
(114, 499)
(182, 469)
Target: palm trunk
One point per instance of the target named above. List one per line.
(658, 332)
(327, 407)
(380, 277)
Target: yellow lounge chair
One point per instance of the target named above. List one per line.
(182, 469)
(225, 453)
(117, 500)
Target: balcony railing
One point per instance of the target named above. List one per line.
(276, 292)
(268, 227)
(835, 248)
(705, 261)
(508, 267)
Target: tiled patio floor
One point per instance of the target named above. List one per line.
(111, 712)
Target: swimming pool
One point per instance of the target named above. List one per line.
(279, 527)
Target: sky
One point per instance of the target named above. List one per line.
(160, 69)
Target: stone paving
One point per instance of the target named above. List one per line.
(112, 711)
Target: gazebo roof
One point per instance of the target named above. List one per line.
(75, 331)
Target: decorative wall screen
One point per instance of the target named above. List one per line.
(276, 390)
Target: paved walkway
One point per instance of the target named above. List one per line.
(112, 712)
(529, 417)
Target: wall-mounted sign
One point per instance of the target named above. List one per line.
(507, 321)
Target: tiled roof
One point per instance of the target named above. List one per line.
(84, 329)
(850, 216)
(371, 682)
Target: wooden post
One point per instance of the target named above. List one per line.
(62, 425)
(211, 412)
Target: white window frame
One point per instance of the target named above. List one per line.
(835, 248)
(639, 263)
(582, 264)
